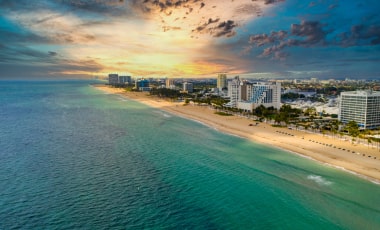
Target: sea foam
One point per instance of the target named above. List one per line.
(319, 180)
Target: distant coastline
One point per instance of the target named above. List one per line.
(360, 160)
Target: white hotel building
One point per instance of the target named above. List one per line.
(363, 107)
(247, 96)
(234, 93)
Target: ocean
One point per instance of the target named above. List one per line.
(73, 157)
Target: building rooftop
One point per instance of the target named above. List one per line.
(362, 93)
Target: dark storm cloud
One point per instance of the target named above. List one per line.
(263, 39)
(360, 35)
(306, 34)
(311, 31)
(313, 34)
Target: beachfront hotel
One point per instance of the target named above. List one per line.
(234, 91)
(363, 107)
(266, 93)
(142, 84)
(113, 79)
(247, 96)
(125, 79)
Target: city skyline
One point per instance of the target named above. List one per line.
(190, 39)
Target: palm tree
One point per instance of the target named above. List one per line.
(334, 124)
(353, 129)
(369, 141)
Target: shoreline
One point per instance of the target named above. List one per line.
(362, 161)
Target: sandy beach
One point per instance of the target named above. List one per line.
(356, 158)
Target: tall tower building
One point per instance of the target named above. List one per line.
(267, 94)
(169, 83)
(360, 106)
(234, 91)
(221, 81)
(188, 87)
(113, 79)
(125, 79)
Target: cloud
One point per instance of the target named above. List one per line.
(279, 55)
(108, 7)
(312, 4)
(311, 31)
(167, 28)
(195, 15)
(203, 27)
(224, 29)
(165, 6)
(158, 36)
(52, 53)
(272, 1)
(21, 53)
(305, 34)
(263, 39)
(248, 9)
(58, 68)
(333, 6)
(360, 35)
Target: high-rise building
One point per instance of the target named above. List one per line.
(267, 94)
(125, 79)
(188, 87)
(247, 96)
(314, 80)
(221, 81)
(234, 91)
(360, 106)
(142, 84)
(169, 83)
(113, 79)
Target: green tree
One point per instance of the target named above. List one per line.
(353, 129)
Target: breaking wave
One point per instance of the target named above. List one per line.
(319, 180)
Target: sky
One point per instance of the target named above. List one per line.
(190, 38)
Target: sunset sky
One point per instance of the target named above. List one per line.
(190, 38)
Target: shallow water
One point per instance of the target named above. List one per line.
(74, 157)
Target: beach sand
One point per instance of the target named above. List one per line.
(356, 158)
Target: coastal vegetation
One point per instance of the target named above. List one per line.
(307, 119)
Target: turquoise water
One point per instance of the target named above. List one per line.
(73, 157)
